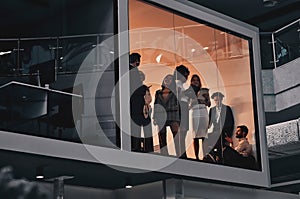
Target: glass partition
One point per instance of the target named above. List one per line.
(286, 43)
(58, 81)
(222, 60)
(281, 46)
(9, 57)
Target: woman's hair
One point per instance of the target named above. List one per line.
(197, 76)
(172, 85)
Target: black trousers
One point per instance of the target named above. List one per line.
(137, 140)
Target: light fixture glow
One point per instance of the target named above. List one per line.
(205, 48)
(193, 50)
(4, 53)
(128, 186)
(158, 58)
(39, 172)
(39, 177)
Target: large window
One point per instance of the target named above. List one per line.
(221, 58)
(45, 72)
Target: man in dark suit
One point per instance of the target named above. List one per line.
(221, 117)
(137, 103)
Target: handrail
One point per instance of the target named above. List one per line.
(284, 27)
(58, 37)
(275, 60)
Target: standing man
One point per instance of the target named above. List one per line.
(181, 75)
(221, 117)
(137, 104)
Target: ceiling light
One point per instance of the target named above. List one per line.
(158, 58)
(40, 177)
(270, 3)
(40, 172)
(128, 183)
(128, 186)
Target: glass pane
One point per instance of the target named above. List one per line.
(9, 61)
(74, 51)
(287, 44)
(35, 52)
(221, 60)
(59, 86)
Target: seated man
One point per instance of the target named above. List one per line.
(241, 155)
(244, 147)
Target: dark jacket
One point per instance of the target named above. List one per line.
(226, 121)
(165, 110)
(137, 101)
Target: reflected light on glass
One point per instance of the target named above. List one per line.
(269, 3)
(4, 53)
(205, 48)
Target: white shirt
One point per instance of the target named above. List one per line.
(182, 97)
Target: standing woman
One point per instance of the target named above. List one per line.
(199, 100)
(166, 112)
(181, 75)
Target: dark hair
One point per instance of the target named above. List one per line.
(244, 129)
(134, 57)
(181, 70)
(217, 94)
(197, 76)
(172, 86)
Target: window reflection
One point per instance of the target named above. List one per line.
(40, 95)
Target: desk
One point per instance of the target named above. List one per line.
(23, 101)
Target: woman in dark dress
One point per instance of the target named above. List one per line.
(166, 112)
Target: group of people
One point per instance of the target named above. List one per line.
(172, 105)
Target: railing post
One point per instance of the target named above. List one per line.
(274, 51)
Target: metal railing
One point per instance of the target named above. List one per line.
(17, 54)
(286, 43)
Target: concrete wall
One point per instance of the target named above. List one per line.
(281, 86)
(214, 191)
(283, 133)
(173, 189)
